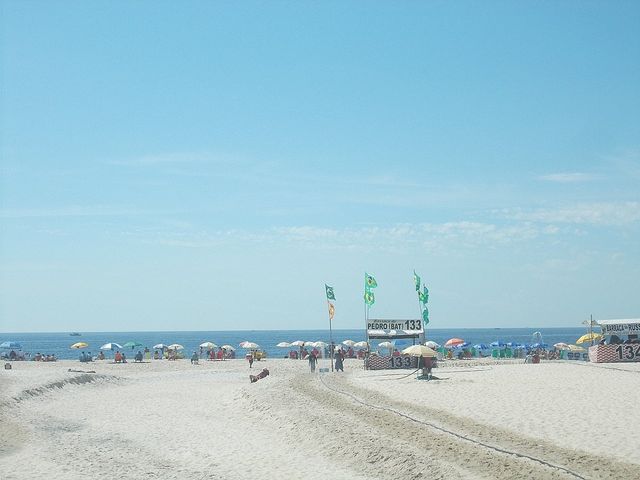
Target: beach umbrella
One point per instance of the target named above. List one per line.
(11, 345)
(348, 343)
(175, 346)
(361, 344)
(480, 346)
(227, 347)
(297, 343)
(388, 345)
(498, 343)
(452, 342)
(589, 337)
(79, 345)
(111, 346)
(283, 345)
(420, 351)
(132, 345)
(561, 346)
(160, 346)
(208, 345)
(576, 348)
(431, 344)
(320, 345)
(249, 346)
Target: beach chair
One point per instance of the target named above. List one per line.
(508, 353)
(495, 353)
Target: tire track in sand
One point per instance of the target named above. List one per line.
(464, 447)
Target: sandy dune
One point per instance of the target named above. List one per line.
(174, 420)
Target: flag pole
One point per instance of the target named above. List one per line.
(330, 338)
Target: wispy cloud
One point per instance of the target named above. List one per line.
(612, 213)
(568, 177)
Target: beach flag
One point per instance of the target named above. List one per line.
(330, 294)
(424, 295)
(425, 315)
(416, 279)
(369, 297)
(332, 310)
(369, 282)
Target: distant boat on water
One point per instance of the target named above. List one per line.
(75, 334)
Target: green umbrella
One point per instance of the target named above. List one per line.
(132, 345)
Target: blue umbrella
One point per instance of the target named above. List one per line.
(480, 346)
(498, 343)
(12, 345)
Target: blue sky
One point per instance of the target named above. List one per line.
(210, 165)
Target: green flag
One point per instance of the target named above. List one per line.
(416, 279)
(424, 295)
(369, 297)
(330, 294)
(369, 281)
(425, 316)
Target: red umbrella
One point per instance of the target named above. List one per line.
(452, 342)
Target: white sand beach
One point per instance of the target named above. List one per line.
(171, 420)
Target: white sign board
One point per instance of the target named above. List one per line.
(620, 327)
(395, 328)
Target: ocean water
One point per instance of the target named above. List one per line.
(59, 343)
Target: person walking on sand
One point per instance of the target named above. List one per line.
(250, 358)
(312, 362)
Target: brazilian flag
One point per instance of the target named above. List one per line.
(416, 279)
(425, 316)
(330, 294)
(369, 297)
(369, 281)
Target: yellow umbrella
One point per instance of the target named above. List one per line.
(79, 345)
(420, 351)
(588, 337)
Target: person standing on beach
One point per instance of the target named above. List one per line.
(250, 358)
(312, 362)
(339, 361)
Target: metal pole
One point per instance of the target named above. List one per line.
(330, 341)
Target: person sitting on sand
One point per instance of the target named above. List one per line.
(118, 357)
(101, 356)
(254, 378)
(156, 355)
(124, 358)
(138, 357)
(194, 358)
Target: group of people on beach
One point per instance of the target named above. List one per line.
(338, 357)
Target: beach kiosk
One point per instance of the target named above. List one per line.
(621, 342)
(392, 330)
